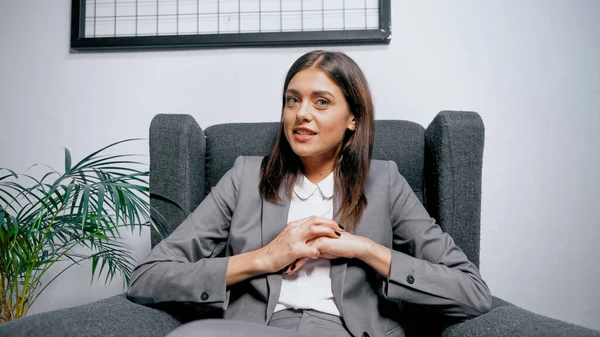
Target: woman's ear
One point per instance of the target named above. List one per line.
(352, 125)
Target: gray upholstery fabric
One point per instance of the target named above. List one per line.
(453, 161)
(508, 320)
(402, 142)
(177, 152)
(225, 142)
(114, 316)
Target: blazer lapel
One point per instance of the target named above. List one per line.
(274, 220)
(337, 272)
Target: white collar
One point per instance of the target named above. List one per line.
(304, 188)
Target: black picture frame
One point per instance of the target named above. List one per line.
(80, 43)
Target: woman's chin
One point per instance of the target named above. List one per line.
(303, 153)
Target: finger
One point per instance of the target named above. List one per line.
(317, 220)
(296, 265)
(329, 223)
(312, 252)
(292, 266)
(321, 244)
(305, 221)
(299, 264)
(306, 253)
(317, 244)
(318, 231)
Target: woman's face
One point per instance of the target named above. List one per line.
(315, 116)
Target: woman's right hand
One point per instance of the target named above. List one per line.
(290, 245)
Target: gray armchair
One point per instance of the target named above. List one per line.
(441, 163)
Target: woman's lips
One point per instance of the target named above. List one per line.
(304, 135)
(303, 138)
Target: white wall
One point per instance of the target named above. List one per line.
(530, 68)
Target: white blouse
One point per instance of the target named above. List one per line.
(310, 287)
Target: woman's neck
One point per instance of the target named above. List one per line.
(316, 169)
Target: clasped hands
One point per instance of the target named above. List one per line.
(313, 237)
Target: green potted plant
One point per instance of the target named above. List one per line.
(51, 219)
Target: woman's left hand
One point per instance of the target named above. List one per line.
(347, 245)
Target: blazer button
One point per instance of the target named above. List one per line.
(365, 334)
(204, 296)
(410, 279)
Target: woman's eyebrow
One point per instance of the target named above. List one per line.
(322, 93)
(314, 93)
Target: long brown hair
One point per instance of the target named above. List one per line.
(352, 166)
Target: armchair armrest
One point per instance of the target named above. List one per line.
(506, 319)
(453, 160)
(114, 316)
(177, 169)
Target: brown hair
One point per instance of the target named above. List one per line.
(353, 162)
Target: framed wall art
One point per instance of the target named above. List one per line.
(168, 24)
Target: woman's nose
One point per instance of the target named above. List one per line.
(304, 112)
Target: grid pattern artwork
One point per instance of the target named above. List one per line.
(132, 18)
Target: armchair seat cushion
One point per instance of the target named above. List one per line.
(506, 319)
(113, 316)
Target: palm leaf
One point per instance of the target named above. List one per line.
(84, 160)
(67, 160)
(85, 203)
(103, 161)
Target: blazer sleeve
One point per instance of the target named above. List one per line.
(427, 268)
(185, 267)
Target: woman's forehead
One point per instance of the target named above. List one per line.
(312, 79)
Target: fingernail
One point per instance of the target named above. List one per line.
(293, 266)
(338, 233)
(342, 227)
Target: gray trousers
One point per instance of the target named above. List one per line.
(285, 323)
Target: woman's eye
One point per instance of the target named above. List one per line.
(322, 102)
(291, 100)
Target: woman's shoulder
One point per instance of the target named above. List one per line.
(244, 164)
(248, 161)
(385, 168)
(382, 166)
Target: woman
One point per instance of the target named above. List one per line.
(317, 237)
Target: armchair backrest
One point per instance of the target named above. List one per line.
(399, 141)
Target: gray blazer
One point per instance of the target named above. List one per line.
(427, 268)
